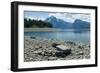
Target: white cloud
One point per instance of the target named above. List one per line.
(62, 16)
(84, 17)
(71, 17)
(35, 18)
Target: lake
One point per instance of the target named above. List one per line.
(82, 35)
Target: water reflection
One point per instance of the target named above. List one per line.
(74, 35)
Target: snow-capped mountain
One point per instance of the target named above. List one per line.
(59, 23)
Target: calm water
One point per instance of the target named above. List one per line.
(66, 35)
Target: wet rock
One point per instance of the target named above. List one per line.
(63, 50)
(52, 58)
(71, 43)
(81, 47)
(32, 37)
(60, 54)
(80, 53)
(63, 53)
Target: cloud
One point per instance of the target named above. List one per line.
(62, 16)
(71, 17)
(84, 17)
(35, 18)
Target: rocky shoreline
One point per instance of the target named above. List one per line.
(41, 49)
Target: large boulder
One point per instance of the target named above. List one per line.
(63, 51)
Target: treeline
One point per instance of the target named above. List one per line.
(28, 23)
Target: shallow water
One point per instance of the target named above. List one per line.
(82, 35)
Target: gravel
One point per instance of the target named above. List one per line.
(41, 49)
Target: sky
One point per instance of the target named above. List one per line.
(66, 16)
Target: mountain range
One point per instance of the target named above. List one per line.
(59, 23)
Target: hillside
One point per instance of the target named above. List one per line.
(36, 24)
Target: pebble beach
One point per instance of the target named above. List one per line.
(41, 49)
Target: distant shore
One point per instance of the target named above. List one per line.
(51, 29)
(41, 29)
